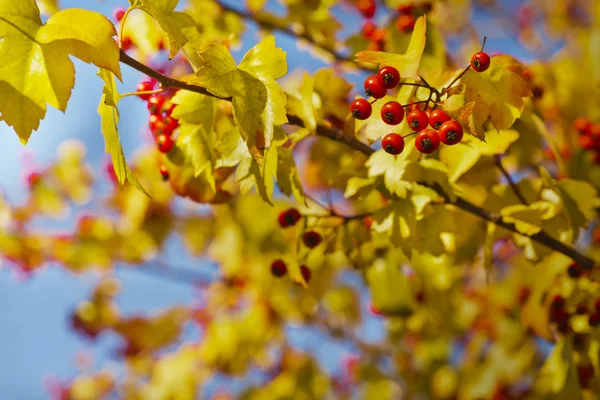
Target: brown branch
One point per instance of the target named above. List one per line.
(286, 30)
(511, 183)
(339, 136)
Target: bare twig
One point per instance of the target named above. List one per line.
(511, 182)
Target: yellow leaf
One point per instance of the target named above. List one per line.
(109, 114)
(48, 7)
(408, 63)
(36, 69)
(258, 100)
(393, 169)
(176, 24)
(498, 92)
(527, 219)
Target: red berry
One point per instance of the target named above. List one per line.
(306, 274)
(417, 120)
(278, 268)
(367, 8)
(164, 172)
(582, 125)
(118, 13)
(155, 103)
(450, 133)
(361, 109)
(574, 271)
(480, 61)
(154, 122)
(311, 239)
(373, 88)
(164, 143)
(558, 315)
(168, 107)
(585, 373)
(405, 23)
(170, 124)
(392, 113)
(588, 142)
(437, 118)
(126, 43)
(388, 77)
(594, 320)
(558, 302)
(597, 304)
(368, 29)
(289, 217)
(145, 87)
(427, 141)
(420, 296)
(595, 131)
(581, 309)
(34, 178)
(393, 143)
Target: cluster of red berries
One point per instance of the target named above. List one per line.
(559, 314)
(311, 239)
(161, 121)
(376, 86)
(589, 136)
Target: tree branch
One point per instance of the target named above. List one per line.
(336, 135)
(512, 184)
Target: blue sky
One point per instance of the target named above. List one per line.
(35, 339)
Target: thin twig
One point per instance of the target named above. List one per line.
(511, 182)
(352, 142)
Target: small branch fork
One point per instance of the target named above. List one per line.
(339, 136)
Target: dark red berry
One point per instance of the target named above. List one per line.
(361, 109)
(278, 268)
(582, 125)
(437, 117)
(388, 77)
(392, 143)
(367, 8)
(289, 217)
(155, 103)
(597, 305)
(574, 271)
(368, 29)
(450, 133)
(585, 373)
(164, 143)
(427, 141)
(594, 319)
(118, 13)
(392, 113)
(558, 302)
(312, 239)
(306, 274)
(417, 120)
(558, 315)
(405, 23)
(581, 309)
(164, 172)
(373, 88)
(420, 296)
(537, 92)
(480, 61)
(145, 86)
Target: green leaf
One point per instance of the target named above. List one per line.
(558, 376)
(580, 201)
(109, 114)
(390, 288)
(36, 69)
(258, 100)
(498, 92)
(408, 63)
(393, 169)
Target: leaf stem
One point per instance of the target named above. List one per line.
(122, 27)
(511, 182)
